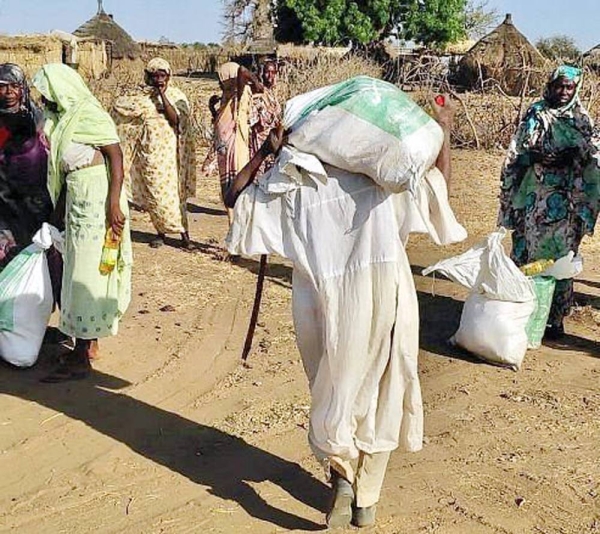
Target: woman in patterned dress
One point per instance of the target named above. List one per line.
(266, 112)
(232, 124)
(550, 185)
(162, 160)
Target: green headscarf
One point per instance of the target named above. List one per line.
(573, 74)
(80, 118)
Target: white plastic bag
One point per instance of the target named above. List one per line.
(568, 266)
(26, 300)
(495, 316)
(487, 269)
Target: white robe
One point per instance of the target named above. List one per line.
(354, 301)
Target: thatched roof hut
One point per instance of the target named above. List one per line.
(103, 26)
(592, 58)
(505, 56)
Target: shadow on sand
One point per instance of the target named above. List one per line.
(204, 455)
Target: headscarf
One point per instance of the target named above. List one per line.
(13, 74)
(157, 64)
(80, 118)
(572, 74)
(228, 71)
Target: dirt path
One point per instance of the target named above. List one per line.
(172, 435)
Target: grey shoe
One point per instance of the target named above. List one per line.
(364, 517)
(340, 512)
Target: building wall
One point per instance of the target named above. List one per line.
(31, 53)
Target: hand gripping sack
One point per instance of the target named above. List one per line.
(26, 301)
(366, 126)
(495, 316)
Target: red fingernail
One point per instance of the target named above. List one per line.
(440, 100)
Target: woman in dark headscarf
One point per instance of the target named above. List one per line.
(550, 187)
(24, 198)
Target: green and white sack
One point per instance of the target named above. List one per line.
(536, 327)
(366, 126)
(26, 301)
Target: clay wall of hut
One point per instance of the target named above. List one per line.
(93, 59)
(30, 52)
(186, 60)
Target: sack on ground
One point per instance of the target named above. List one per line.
(26, 301)
(494, 321)
(544, 291)
(366, 126)
(495, 330)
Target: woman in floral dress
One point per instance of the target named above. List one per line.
(162, 161)
(550, 185)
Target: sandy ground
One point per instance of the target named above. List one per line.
(173, 435)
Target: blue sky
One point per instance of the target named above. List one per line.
(199, 20)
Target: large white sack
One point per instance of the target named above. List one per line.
(26, 301)
(495, 330)
(367, 126)
(495, 316)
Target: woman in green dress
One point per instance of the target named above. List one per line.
(550, 186)
(85, 178)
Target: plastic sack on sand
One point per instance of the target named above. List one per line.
(495, 330)
(26, 300)
(366, 126)
(544, 291)
(495, 316)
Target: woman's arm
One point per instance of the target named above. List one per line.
(114, 156)
(246, 175)
(246, 77)
(444, 115)
(170, 111)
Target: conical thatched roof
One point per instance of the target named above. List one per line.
(102, 26)
(592, 58)
(506, 56)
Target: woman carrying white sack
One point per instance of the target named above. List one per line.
(354, 305)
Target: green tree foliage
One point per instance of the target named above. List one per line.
(559, 47)
(339, 22)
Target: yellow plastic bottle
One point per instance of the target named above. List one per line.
(110, 252)
(536, 267)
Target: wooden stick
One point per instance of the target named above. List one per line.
(256, 308)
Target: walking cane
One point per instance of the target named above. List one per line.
(256, 308)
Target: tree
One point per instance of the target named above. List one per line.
(339, 22)
(479, 18)
(245, 20)
(559, 47)
(434, 22)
